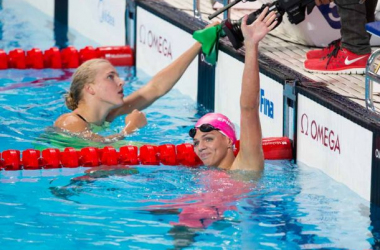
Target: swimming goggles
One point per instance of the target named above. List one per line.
(203, 128)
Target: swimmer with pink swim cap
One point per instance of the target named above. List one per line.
(214, 138)
(214, 134)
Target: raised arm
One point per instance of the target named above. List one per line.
(251, 156)
(160, 84)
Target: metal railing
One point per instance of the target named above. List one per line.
(197, 9)
(371, 75)
(226, 14)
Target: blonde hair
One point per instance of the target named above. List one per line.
(83, 75)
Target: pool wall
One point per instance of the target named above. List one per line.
(329, 132)
(45, 6)
(102, 21)
(158, 43)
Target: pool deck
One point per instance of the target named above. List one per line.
(290, 54)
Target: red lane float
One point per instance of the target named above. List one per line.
(11, 160)
(186, 155)
(168, 154)
(66, 58)
(117, 55)
(128, 155)
(52, 58)
(31, 159)
(51, 158)
(148, 155)
(34, 59)
(70, 57)
(70, 158)
(16, 59)
(276, 148)
(87, 53)
(3, 59)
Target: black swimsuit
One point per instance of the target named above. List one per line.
(81, 117)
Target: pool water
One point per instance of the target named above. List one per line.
(31, 100)
(155, 207)
(159, 207)
(166, 207)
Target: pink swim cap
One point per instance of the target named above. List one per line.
(220, 122)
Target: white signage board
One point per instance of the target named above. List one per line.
(102, 21)
(334, 144)
(33, 28)
(45, 6)
(229, 72)
(158, 44)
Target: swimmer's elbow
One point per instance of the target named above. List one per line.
(250, 106)
(249, 109)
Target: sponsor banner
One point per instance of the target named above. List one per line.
(102, 21)
(159, 43)
(334, 144)
(229, 72)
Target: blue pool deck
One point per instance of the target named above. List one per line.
(292, 55)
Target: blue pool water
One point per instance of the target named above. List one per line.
(155, 207)
(160, 207)
(31, 101)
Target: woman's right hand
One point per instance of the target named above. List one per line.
(135, 120)
(256, 31)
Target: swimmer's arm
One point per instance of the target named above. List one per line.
(89, 135)
(158, 86)
(250, 155)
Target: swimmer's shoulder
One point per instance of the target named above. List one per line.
(71, 122)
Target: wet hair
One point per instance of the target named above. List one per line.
(83, 75)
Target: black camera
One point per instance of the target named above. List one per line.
(294, 8)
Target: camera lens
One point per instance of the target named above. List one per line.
(232, 28)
